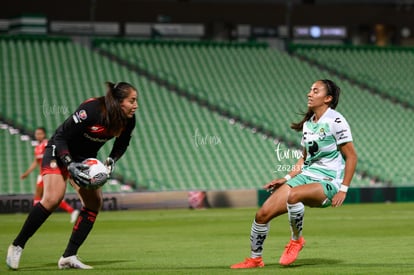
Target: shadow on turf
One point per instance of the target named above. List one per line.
(310, 262)
(47, 267)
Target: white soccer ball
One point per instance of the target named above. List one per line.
(97, 171)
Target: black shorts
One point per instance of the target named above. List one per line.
(52, 164)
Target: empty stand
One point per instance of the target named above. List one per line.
(16, 157)
(388, 70)
(269, 88)
(177, 144)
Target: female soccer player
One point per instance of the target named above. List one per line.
(321, 177)
(40, 136)
(81, 135)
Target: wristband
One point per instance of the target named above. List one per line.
(67, 159)
(287, 177)
(343, 188)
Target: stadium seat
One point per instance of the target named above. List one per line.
(386, 69)
(255, 83)
(164, 154)
(267, 87)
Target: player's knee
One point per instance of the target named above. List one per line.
(263, 216)
(51, 202)
(293, 197)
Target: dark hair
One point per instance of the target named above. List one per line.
(332, 90)
(41, 128)
(114, 119)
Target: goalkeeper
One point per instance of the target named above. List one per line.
(81, 135)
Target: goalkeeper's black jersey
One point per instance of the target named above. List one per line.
(82, 134)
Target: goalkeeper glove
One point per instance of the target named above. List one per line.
(79, 173)
(110, 166)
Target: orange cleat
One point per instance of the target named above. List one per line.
(249, 263)
(291, 252)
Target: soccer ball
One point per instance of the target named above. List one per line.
(97, 171)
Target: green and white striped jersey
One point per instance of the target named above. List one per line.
(321, 139)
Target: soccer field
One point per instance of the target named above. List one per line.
(353, 239)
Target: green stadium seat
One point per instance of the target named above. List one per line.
(258, 84)
(163, 156)
(388, 70)
(267, 87)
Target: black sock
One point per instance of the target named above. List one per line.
(36, 218)
(80, 231)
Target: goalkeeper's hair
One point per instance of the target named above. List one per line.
(332, 90)
(114, 118)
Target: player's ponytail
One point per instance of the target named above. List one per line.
(331, 89)
(298, 126)
(115, 119)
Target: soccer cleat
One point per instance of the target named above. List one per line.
(72, 262)
(249, 263)
(291, 252)
(13, 256)
(74, 216)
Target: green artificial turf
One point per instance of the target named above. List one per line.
(353, 239)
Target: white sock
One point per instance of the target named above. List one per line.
(296, 212)
(258, 235)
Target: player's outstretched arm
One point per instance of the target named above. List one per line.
(29, 170)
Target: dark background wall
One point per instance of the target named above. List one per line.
(378, 22)
(228, 12)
